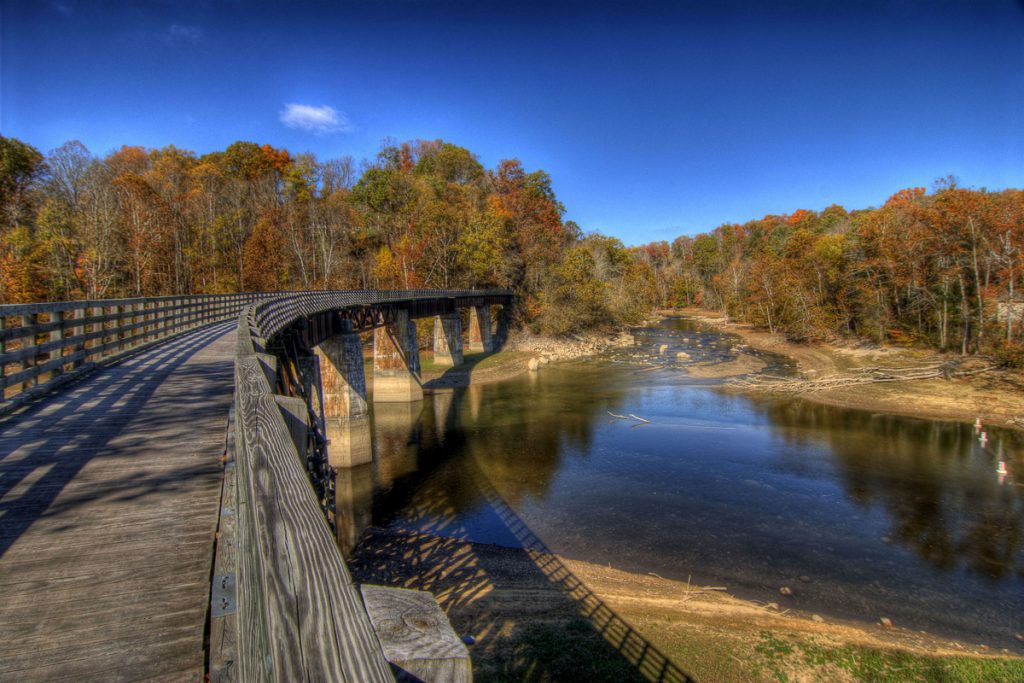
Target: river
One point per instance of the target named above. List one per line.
(860, 515)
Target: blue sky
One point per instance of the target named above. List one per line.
(654, 119)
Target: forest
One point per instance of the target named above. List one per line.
(940, 269)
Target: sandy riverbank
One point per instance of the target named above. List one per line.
(997, 396)
(719, 637)
(534, 615)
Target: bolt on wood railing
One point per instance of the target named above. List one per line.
(44, 345)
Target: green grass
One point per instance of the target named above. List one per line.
(778, 654)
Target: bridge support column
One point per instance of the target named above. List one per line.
(448, 339)
(349, 441)
(480, 329)
(343, 380)
(396, 362)
(342, 375)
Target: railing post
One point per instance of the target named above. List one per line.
(168, 316)
(3, 366)
(78, 330)
(129, 332)
(104, 336)
(57, 335)
(28, 361)
(97, 328)
(139, 316)
(120, 326)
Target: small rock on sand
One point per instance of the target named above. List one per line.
(886, 622)
(786, 590)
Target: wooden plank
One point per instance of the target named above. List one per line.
(107, 577)
(223, 647)
(416, 635)
(315, 625)
(91, 661)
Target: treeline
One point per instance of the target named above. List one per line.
(423, 214)
(941, 270)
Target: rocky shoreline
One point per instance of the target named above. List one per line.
(545, 350)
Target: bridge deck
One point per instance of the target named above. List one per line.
(109, 494)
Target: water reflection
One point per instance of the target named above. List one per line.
(880, 514)
(934, 480)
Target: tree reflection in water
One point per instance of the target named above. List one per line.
(934, 480)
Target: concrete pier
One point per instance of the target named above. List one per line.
(349, 441)
(346, 425)
(396, 361)
(448, 339)
(342, 376)
(480, 329)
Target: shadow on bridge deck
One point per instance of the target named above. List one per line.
(108, 496)
(45, 446)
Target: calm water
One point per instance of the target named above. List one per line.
(863, 515)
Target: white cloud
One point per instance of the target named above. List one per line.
(182, 34)
(63, 8)
(320, 120)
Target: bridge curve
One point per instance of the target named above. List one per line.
(110, 490)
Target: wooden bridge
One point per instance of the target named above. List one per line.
(163, 481)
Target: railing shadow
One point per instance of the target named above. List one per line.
(46, 445)
(531, 616)
(650, 662)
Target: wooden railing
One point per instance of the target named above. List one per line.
(299, 616)
(44, 345)
(295, 613)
